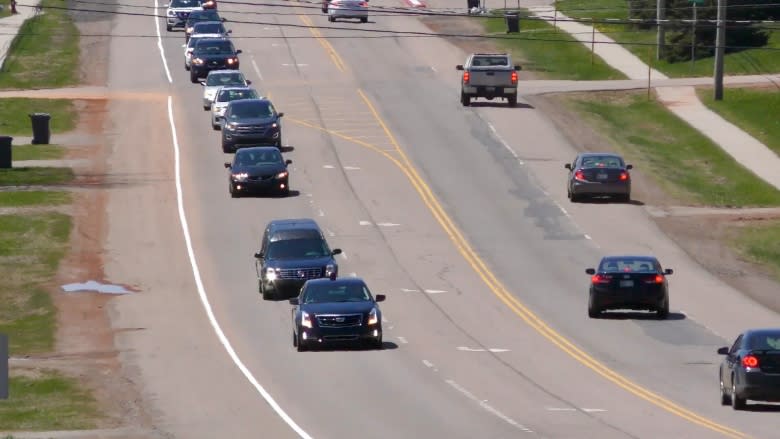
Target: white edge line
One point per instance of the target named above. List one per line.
(202, 291)
(160, 45)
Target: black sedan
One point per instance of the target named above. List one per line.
(751, 369)
(212, 54)
(197, 17)
(256, 169)
(250, 121)
(331, 310)
(598, 174)
(629, 282)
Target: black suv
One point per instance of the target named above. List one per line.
(250, 121)
(292, 251)
(212, 54)
(197, 17)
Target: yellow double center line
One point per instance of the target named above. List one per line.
(498, 289)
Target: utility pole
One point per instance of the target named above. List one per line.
(661, 38)
(720, 48)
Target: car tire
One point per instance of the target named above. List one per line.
(232, 190)
(663, 311)
(377, 344)
(267, 295)
(193, 76)
(295, 340)
(186, 67)
(364, 19)
(737, 403)
(512, 101)
(725, 399)
(331, 18)
(226, 148)
(593, 311)
(206, 107)
(300, 344)
(465, 99)
(574, 198)
(215, 127)
(625, 198)
(168, 28)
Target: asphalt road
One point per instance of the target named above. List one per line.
(458, 214)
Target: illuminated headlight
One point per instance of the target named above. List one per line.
(231, 126)
(232, 61)
(282, 174)
(270, 274)
(330, 270)
(274, 125)
(372, 317)
(190, 29)
(197, 61)
(241, 177)
(305, 319)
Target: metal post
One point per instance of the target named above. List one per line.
(661, 35)
(3, 366)
(555, 19)
(592, 40)
(720, 47)
(693, 39)
(649, 69)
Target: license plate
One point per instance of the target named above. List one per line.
(601, 176)
(626, 283)
(491, 88)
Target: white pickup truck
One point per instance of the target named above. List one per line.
(489, 76)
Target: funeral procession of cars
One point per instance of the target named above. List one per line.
(295, 262)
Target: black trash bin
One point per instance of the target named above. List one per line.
(40, 126)
(472, 4)
(512, 22)
(5, 152)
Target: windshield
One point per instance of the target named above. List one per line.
(298, 248)
(232, 95)
(224, 79)
(257, 109)
(765, 341)
(185, 3)
(214, 48)
(603, 161)
(630, 265)
(323, 293)
(246, 157)
(209, 28)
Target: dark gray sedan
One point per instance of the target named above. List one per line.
(598, 174)
(751, 368)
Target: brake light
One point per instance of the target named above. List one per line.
(514, 77)
(624, 176)
(579, 175)
(658, 279)
(466, 77)
(750, 361)
(600, 279)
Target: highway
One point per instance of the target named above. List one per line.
(458, 214)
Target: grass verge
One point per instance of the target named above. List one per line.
(48, 401)
(31, 247)
(755, 110)
(539, 46)
(38, 152)
(746, 62)
(15, 119)
(33, 198)
(45, 53)
(758, 243)
(35, 176)
(687, 164)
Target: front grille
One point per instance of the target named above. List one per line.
(340, 337)
(216, 63)
(300, 273)
(339, 320)
(251, 129)
(261, 177)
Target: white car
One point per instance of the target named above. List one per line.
(190, 46)
(223, 97)
(347, 9)
(178, 11)
(221, 78)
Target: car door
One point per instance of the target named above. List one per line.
(570, 176)
(260, 262)
(732, 361)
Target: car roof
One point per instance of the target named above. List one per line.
(268, 148)
(293, 223)
(600, 154)
(337, 281)
(214, 39)
(762, 331)
(244, 101)
(224, 71)
(208, 22)
(635, 257)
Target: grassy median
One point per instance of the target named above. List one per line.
(759, 243)
(682, 160)
(15, 119)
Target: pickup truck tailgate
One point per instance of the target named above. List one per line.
(490, 77)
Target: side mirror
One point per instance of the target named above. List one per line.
(259, 255)
(723, 351)
(336, 251)
(294, 301)
(518, 67)
(668, 271)
(288, 162)
(459, 67)
(248, 82)
(239, 51)
(380, 297)
(567, 166)
(629, 166)
(224, 20)
(280, 114)
(230, 31)
(228, 165)
(590, 271)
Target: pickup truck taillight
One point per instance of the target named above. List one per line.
(466, 77)
(514, 77)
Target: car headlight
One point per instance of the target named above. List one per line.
(171, 13)
(197, 61)
(331, 269)
(241, 176)
(270, 274)
(231, 126)
(305, 319)
(189, 30)
(232, 61)
(373, 318)
(282, 174)
(274, 125)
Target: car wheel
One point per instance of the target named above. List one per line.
(593, 311)
(267, 295)
(378, 343)
(233, 192)
(725, 399)
(186, 67)
(168, 28)
(215, 126)
(364, 19)
(625, 198)
(295, 340)
(574, 198)
(226, 148)
(465, 99)
(300, 344)
(663, 311)
(737, 403)
(206, 107)
(324, 10)
(512, 101)
(193, 76)
(331, 18)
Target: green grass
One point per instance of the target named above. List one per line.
(15, 119)
(38, 152)
(35, 176)
(31, 247)
(45, 54)
(47, 402)
(759, 243)
(549, 59)
(757, 111)
(746, 62)
(33, 198)
(6, 11)
(687, 164)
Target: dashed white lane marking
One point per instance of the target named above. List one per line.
(352, 274)
(572, 409)
(593, 410)
(435, 291)
(365, 223)
(328, 166)
(202, 290)
(257, 69)
(320, 212)
(351, 168)
(403, 340)
(344, 254)
(160, 47)
(427, 364)
(407, 290)
(387, 224)
(468, 349)
(488, 407)
(587, 236)
(294, 64)
(330, 233)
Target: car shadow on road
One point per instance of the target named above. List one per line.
(484, 104)
(287, 148)
(609, 200)
(291, 194)
(635, 315)
(386, 346)
(765, 408)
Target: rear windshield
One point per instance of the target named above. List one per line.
(298, 249)
(488, 61)
(185, 3)
(232, 95)
(603, 161)
(214, 48)
(209, 28)
(630, 265)
(768, 340)
(225, 79)
(327, 292)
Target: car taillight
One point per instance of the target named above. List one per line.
(624, 176)
(579, 175)
(750, 361)
(658, 279)
(600, 279)
(514, 77)
(466, 77)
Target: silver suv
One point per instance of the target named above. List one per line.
(178, 11)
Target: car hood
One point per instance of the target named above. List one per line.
(338, 307)
(215, 56)
(259, 170)
(300, 262)
(256, 121)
